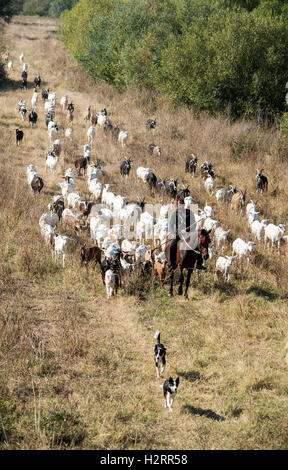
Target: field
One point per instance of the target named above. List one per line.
(77, 370)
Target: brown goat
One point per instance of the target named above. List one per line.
(81, 163)
(160, 268)
(88, 255)
(238, 201)
(155, 150)
(94, 119)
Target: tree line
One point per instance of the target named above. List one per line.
(214, 55)
(52, 8)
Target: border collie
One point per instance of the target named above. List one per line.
(159, 354)
(170, 388)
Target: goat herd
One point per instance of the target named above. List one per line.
(111, 217)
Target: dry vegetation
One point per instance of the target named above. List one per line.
(77, 370)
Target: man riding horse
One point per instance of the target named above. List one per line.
(182, 227)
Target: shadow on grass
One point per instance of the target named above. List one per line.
(199, 411)
(191, 375)
(17, 85)
(236, 412)
(266, 293)
(227, 288)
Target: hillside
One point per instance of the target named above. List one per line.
(77, 370)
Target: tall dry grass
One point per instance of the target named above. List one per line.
(76, 370)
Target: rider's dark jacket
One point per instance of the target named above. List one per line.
(181, 221)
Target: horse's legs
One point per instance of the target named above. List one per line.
(171, 283)
(181, 280)
(188, 282)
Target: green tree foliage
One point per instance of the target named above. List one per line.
(10, 7)
(213, 55)
(46, 7)
(58, 6)
(36, 7)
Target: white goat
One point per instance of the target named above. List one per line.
(210, 224)
(66, 187)
(95, 187)
(91, 132)
(73, 200)
(241, 248)
(34, 99)
(122, 137)
(64, 102)
(209, 211)
(48, 219)
(31, 171)
(253, 215)
(110, 283)
(51, 162)
(209, 185)
(140, 253)
(221, 237)
(251, 206)
(69, 133)
(142, 173)
(119, 202)
(60, 247)
(52, 133)
(224, 265)
(274, 233)
(257, 228)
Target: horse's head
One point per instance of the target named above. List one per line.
(204, 242)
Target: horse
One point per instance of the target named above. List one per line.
(186, 259)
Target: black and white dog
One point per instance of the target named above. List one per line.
(159, 354)
(170, 388)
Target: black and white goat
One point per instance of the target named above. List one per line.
(33, 116)
(261, 182)
(125, 167)
(191, 165)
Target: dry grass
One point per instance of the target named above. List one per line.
(76, 370)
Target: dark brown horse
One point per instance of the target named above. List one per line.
(186, 259)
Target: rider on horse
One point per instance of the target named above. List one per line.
(181, 221)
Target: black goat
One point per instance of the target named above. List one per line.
(171, 188)
(33, 116)
(57, 207)
(151, 125)
(37, 184)
(37, 81)
(261, 182)
(183, 193)
(45, 94)
(152, 180)
(125, 167)
(19, 136)
(70, 107)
